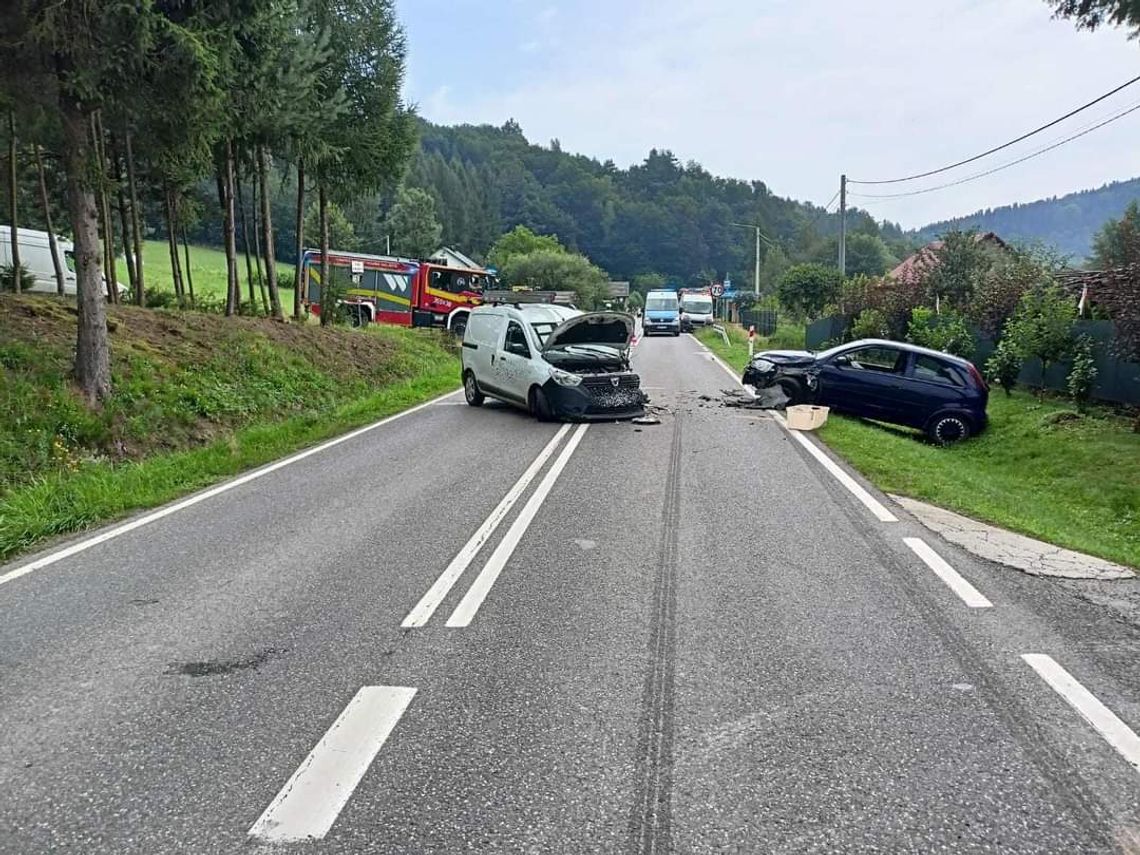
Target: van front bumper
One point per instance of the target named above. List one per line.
(597, 399)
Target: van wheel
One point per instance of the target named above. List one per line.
(471, 391)
(539, 406)
(948, 429)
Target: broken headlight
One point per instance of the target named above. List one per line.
(763, 365)
(565, 378)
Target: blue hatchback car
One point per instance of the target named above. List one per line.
(889, 381)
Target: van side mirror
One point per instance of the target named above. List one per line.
(518, 348)
(842, 360)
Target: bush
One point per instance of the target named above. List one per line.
(806, 289)
(870, 323)
(946, 332)
(1042, 326)
(162, 300)
(27, 280)
(1082, 376)
(1004, 365)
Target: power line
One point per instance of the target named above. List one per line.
(829, 204)
(978, 175)
(1026, 136)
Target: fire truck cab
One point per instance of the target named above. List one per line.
(393, 290)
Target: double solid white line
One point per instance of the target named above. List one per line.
(469, 605)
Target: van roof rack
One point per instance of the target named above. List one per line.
(516, 298)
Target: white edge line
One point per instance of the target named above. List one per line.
(970, 595)
(110, 534)
(1119, 735)
(313, 797)
(854, 487)
(435, 595)
(468, 607)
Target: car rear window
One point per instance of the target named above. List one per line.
(937, 371)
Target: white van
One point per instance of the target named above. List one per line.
(35, 256)
(555, 361)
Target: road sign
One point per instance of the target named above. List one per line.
(718, 289)
(357, 266)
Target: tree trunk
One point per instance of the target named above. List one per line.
(124, 220)
(136, 228)
(298, 273)
(233, 282)
(245, 248)
(92, 346)
(267, 236)
(17, 284)
(328, 309)
(56, 264)
(110, 275)
(189, 278)
(172, 245)
(257, 249)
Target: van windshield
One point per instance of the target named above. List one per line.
(543, 329)
(698, 305)
(661, 304)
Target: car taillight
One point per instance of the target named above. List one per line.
(978, 378)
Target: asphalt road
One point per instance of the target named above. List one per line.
(683, 637)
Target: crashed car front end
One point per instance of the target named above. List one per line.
(591, 377)
(783, 368)
(597, 397)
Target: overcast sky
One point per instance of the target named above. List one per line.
(791, 92)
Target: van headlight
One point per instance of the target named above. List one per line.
(565, 378)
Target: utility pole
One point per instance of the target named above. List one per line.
(843, 225)
(756, 281)
(760, 236)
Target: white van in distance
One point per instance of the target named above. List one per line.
(35, 257)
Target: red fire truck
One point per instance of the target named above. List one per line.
(392, 290)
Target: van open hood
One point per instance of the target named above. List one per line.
(609, 329)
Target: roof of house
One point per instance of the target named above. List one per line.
(915, 266)
(461, 260)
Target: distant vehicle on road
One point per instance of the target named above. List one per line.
(696, 307)
(889, 381)
(554, 361)
(662, 313)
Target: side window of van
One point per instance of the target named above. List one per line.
(515, 341)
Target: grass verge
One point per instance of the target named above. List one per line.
(1040, 469)
(197, 398)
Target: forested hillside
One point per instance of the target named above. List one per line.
(1068, 223)
(661, 216)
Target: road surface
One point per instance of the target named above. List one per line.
(466, 631)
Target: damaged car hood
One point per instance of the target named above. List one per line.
(786, 357)
(594, 331)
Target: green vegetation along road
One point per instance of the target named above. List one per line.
(200, 397)
(1029, 472)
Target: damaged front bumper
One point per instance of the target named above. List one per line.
(597, 398)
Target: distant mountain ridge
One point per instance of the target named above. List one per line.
(1068, 223)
